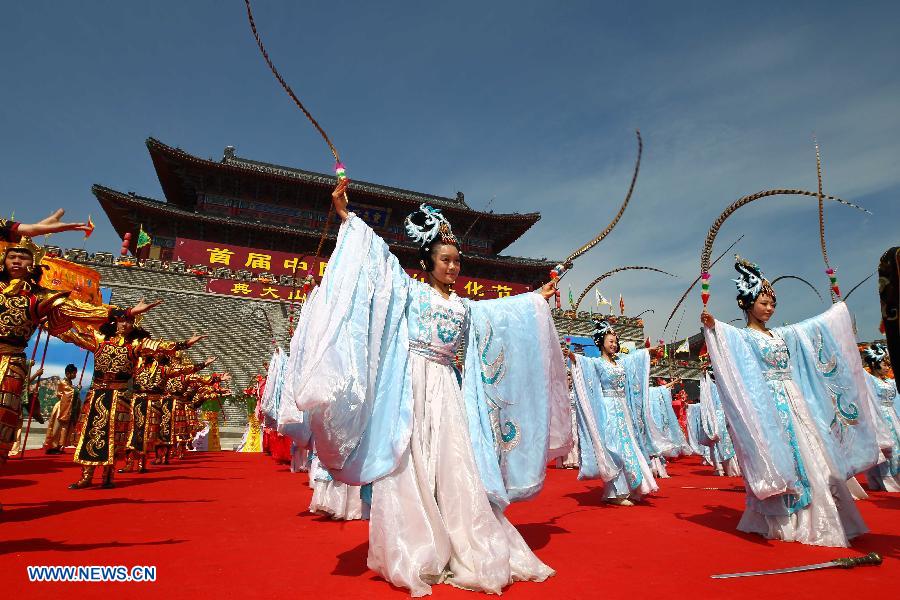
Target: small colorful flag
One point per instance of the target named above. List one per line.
(684, 348)
(571, 298)
(143, 238)
(621, 305)
(601, 300)
(90, 228)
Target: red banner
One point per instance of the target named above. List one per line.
(258, 290)
(236, 258)
(465, 287)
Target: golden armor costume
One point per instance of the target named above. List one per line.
(105, 419)
(149, 387)
(181, 404)
(24, 306)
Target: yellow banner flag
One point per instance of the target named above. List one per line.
(82, 282)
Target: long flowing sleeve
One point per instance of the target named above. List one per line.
(516, 395)
(84, 339)
(596, 461)
(760, 438)
(273, 384)
(709, 433)
(693, 430)
(351, 359)
(63, 313)
(292, 421)
(677, 432)
(827, 367)
(660, 420)
(637, 387)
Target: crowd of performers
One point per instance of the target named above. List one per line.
(144, 392)
(428, 414)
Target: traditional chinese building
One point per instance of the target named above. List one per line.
(266, 220)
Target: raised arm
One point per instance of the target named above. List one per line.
(83, 339)
(63, 313)
(175, 371)
(339, 199)
(148, 346)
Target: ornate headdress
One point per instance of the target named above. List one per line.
(426, 224)
(875, 354)
(750, 283)
(25, 244)
(602, 327)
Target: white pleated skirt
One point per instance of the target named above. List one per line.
(431, 521)
(831, 518)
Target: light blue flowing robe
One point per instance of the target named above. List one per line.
(820, 356)
(608, 438)
(350, 372)
(885, 394)
(673, 442)
(696, 433)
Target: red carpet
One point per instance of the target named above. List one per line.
(226, 525)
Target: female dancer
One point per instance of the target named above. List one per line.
(610, 391)
(885, 476)
(794, 397)
(715, 429)
(372, 362)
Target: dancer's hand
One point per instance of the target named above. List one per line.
(52, 224)
(142, 307)
(707, 319)
(339, 199)
(209, 361)
(548, 290)
(194, 339)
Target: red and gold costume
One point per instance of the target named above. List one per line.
(8, 231)
(197, 390)
(198, 395)
(172, 416)
(105, 419)
(149, 388)
(24, 306)
(679, 406)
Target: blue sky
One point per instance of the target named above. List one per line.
(531, 103)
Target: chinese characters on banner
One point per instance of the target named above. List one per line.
(465, 287)
(277, 263)
(238, 258)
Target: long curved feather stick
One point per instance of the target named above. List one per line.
(597, 239)
(696, 281)
(853, 289)
(717, 224)
(798, 278)
(293, 96)
(613, 272)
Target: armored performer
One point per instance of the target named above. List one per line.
(149, 386)
(105, 419)
(24, 306)
(175, 389)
